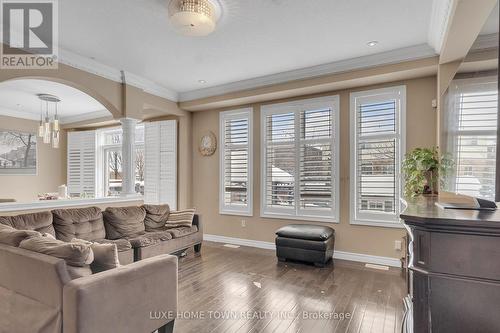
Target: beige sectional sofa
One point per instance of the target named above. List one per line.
(90, 224)
(38, 294)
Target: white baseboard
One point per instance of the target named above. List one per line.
(239, 241)
(366, 258)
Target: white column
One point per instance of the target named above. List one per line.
(128, 156)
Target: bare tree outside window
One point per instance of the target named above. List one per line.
(115, 164)
(139, 165)
(17, 153)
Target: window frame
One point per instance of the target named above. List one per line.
(379, 219)
(247, 210)
(333, 102)
(101, 157)
(458, 87)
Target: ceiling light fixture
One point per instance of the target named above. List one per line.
(49, 129)
(372, 43)
(202, 81)
(194, 17)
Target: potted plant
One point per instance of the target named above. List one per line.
(423, 169)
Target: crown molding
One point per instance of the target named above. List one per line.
(62, 119)
(86, 116)
(440, 17)
(91, 66)
(384, 58)
(19, 114)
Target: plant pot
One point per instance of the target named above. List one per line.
(431, 189)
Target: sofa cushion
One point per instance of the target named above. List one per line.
(179, 232)
(123, 222)
(75, 254)
(83, 223)
(180, 218)
(121, 244)
(41, 222)
(156, 216)
(149, 238)
(13, 237)
(105, 256)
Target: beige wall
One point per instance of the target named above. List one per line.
(421, 131)
(51, 166)
(129, 102)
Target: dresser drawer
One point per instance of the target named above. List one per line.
(465, 255)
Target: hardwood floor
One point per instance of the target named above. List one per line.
(248, 290)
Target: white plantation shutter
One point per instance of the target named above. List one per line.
(82, 164)
(316, 173)
(300, 159)
(280, 162)
(235, 195)
(473, 141)
(160, 174)
(377, 145)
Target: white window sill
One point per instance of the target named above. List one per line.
(66, 203)
(300, 218)
(382, 224)
(232, 212)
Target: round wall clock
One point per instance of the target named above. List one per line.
(208, 144)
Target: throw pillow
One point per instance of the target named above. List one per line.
(180, 218)
(121, 222)
(14, 237)
(105, 255)
(75, 254)
(156, 216)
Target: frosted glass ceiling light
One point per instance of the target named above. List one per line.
(194, 17)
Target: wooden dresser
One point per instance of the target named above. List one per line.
(454, 269)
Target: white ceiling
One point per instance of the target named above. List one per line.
(18, 98)
(254, 38)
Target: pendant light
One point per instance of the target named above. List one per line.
(55, 133)
(56, 119)
(55, 139)
(49, 129)
(41, 128)
(46, 125)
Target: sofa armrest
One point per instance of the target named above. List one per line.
(197, 222)
(139, 297)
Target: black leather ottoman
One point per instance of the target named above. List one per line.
(305, 242)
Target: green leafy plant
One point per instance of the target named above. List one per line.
(423, 169)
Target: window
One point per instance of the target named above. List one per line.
(95, 162)
(377, 147)
(81, 166)
(300, 177)
(235, 195)
(160, 169)
(472, 143)
(111, 163)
